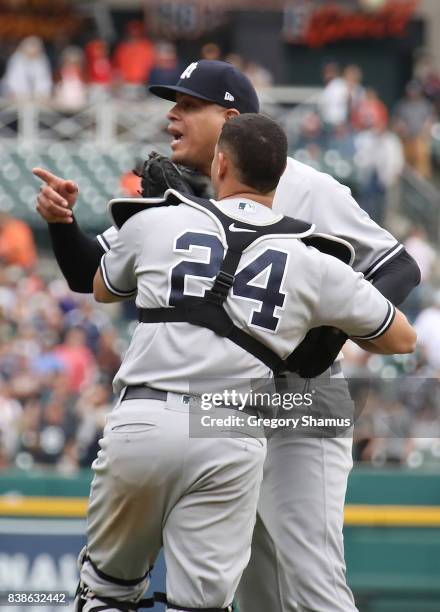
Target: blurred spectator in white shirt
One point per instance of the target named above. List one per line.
(70, 89)
(379, 157)
(382, 164)
(382, 151)
(28, 74)
(334, 97)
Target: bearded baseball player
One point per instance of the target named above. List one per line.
(297, 560)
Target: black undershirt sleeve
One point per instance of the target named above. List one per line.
(78, 255)
(397, 278)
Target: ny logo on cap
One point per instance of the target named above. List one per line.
(188, 71)
(229, 97)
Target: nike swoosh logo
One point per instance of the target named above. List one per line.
(232, 228)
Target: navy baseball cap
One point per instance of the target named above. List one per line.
(214, 81)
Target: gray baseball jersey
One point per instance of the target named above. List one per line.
(314, 196)
(299, 550)
(282, 289)
(298, 541)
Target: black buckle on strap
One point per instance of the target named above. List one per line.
(220, 289)
(225, 279)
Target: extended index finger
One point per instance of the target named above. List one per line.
(46, 176)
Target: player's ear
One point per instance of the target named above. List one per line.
(230, 113)
(222, 165)
(216, 172)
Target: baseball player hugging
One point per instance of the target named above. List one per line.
(223, 287)
(228, 288)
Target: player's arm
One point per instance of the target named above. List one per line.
(400, 334)
(378, 255)
(352, 304)
(78, 255)
(100, 291)
(397, 278)
(115, 280)
(397, 337)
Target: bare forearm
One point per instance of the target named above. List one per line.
(368, 345)
(400, 338)
(100, 291)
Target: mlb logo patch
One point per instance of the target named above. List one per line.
(247, 207)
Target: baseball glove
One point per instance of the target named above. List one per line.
(158, 173)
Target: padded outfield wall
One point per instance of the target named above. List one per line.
(392, 536)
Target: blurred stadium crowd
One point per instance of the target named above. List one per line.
(351, 131)
(70, 76)
(59, 351)
(346, 130)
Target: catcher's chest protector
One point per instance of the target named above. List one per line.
(208, 311)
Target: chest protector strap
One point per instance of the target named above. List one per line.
(208, 311)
